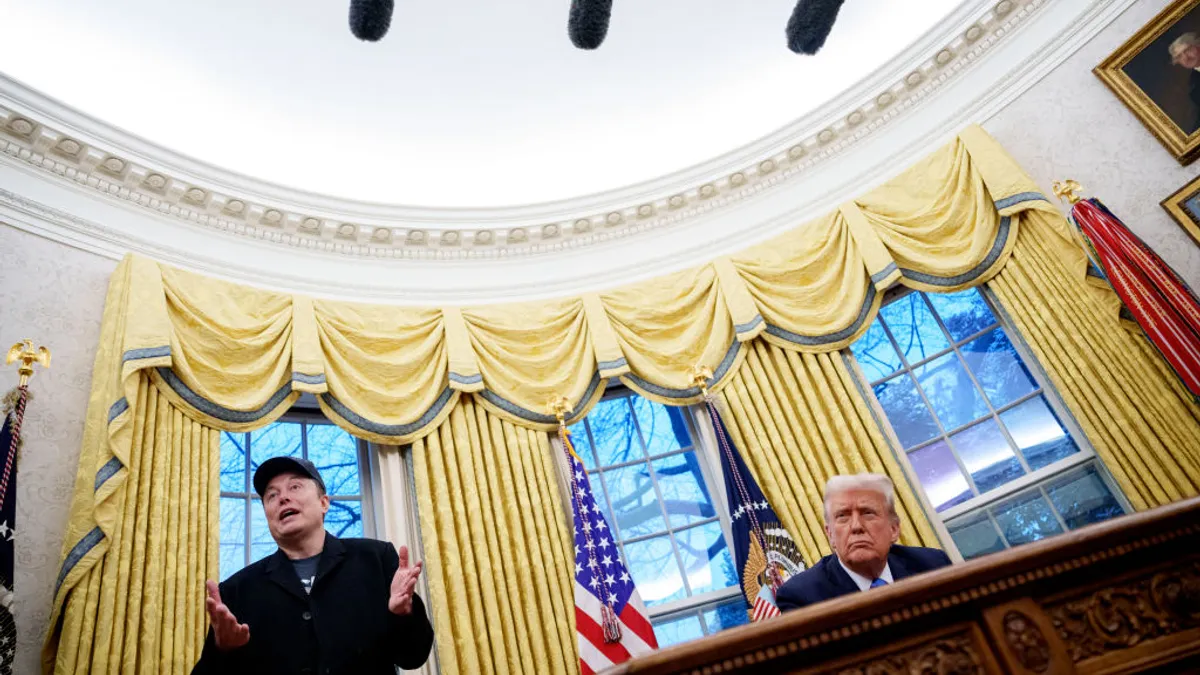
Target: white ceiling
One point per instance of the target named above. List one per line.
(465, 102)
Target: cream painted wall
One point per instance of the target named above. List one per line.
(1069, 125)
(53, 294)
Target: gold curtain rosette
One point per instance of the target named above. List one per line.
(234, 358)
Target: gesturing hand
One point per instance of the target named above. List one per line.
(228, 633)
(403, 583)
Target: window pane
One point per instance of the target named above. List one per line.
(634, 503)
(875, 353)
(594, 481)
(261, 543)
(976, 536)
(1000, 370)
(274, 440)
(684, 493)
(905, 410)
(1083, 498)
(706, 558)
(940, 475)
(613, 432)
(582, 444)
(917, 333)
(663, 427)
(955, 399)
(233, 462)
(987, 455)
(725, 616)
(344, 518)
(233, 535)
(652, 564)
(1026, 518)
(964, 313)
(1042, 438)
(335, 454)
(673, 631)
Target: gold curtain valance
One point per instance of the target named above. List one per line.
(236, 357)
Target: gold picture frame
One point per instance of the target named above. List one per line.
(1184, 207)
(1163, 95)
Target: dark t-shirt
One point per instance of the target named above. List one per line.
(306, 569)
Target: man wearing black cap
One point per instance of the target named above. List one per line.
(319, 605)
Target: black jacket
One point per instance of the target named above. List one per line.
(343, 628)
(827, 579)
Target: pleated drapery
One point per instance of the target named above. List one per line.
(799, 420)
(497, 547)
(1136, 413)
(469, 388)
(140, 609)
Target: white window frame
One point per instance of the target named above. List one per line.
(979, 504)
(312, 417)
(704, 445)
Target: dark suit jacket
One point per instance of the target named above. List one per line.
(344, 627)
(827, 579)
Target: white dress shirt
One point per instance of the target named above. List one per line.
(862, 582)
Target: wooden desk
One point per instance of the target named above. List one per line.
(1117, 597)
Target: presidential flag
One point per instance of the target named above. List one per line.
(610, 617)
(763, 550)
(10, 432)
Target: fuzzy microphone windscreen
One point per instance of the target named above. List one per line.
(370, 19)
(588, 24)
(810, 24)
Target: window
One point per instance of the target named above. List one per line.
(337, 455)
(656, 491)
(995, 453)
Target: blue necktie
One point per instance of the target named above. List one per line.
(877, 583)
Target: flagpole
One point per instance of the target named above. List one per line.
(15, 401)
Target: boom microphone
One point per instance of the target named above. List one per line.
(588, 24)
(810, 24)
(370, 19)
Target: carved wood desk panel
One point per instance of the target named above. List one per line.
(1117, 597)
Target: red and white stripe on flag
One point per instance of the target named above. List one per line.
(764, 605)
(637, 635)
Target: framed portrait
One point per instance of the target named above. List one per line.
(1184, 207)
(1156, 74)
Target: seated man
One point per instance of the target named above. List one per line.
(863, 528)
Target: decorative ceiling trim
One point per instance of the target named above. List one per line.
(67, 146)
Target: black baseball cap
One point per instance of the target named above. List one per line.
(271, 468)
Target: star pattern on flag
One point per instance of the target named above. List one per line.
(744, 509)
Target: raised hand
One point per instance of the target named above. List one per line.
(403, 584)
(228, 633)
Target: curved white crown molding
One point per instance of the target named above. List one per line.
(80, 181)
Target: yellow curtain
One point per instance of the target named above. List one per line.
(140, 607)
(1136, 414)
(497, 546)
(799, 419)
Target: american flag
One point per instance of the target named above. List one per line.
(609, 613)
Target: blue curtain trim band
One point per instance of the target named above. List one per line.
(220, 412)
(80, 549)
(750, 325)
(612, 365)
(541, 418)
(884, 273)
(466, 379)
(690, 392)
(146, 353)
(110, 469)
(117, 409)
(1020, 198)
(974, 273)
(815, 341)
(309, 379)
(388, 429)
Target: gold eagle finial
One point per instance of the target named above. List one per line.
(25, 353)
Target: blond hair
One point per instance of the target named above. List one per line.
(875, 482)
